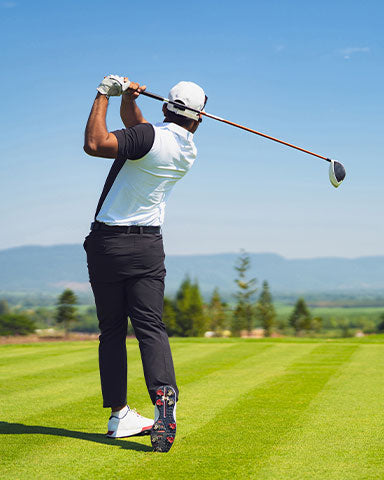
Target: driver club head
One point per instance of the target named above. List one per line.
(336, 173)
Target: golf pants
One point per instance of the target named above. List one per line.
(126, 272)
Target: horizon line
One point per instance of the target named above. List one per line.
(208, 253)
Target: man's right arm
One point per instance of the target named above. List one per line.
(130, 113)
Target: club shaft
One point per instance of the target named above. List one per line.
(228, 122)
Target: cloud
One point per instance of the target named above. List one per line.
(8, 4)
(348, 52)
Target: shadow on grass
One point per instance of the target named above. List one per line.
(20, 429)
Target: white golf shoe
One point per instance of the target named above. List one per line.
(132, 423)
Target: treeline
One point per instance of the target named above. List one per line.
(186, 314)
(14, 323)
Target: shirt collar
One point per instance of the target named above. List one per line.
(177, 129)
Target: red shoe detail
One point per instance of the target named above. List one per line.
(110, 432)
(159, 402)
(146, 428)
(170, 439)
(172, 425)
(159, 392)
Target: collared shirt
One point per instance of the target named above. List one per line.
(151, 159)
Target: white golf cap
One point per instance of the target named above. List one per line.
(189, 94)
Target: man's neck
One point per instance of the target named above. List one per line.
(192, 128)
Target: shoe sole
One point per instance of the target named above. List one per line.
(164, 429)
(129, 433)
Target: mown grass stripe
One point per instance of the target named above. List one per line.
(192, 371)
(278, 391)
(214, 397)
(342, 436)
(24, 349)
(13, 354)
(70, 414)
(239, 440)
(38, 360)
(74, 383)
(43, 373)
(46, 368)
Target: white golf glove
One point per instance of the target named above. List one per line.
(113, 86)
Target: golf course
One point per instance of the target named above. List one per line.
(249, 409)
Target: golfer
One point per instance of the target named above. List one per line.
(124, 248)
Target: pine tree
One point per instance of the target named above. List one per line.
(199, 318)
(66, 311)
(191, 320)
(216, 312)
(183, 301)
(265, 310)
(169, 316)
(300, 318)
(243, 317)
(4, 307)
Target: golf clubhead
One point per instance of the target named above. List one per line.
(336, 173)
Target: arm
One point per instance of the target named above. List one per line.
(130, 113)
(98, 141)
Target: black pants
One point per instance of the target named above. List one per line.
(127, 273)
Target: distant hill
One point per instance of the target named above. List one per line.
(50, 269)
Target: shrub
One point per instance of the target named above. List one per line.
(16, 324)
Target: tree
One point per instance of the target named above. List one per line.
(316, 324)
(197, 313)
(183, 301)
(344, 327)
(169, 316)
(300, 318)
(87, 321)
(16, 324)
(265, 310)
(190, 316)
(216, 312)
(380, 326)
(66, 311)
(243, 317)
(4, 307)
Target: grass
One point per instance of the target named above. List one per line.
(282, 409)
(350, 314)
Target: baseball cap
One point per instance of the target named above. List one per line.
(189, 94)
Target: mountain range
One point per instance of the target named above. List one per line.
(52, 268)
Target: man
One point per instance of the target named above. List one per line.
(125, 252)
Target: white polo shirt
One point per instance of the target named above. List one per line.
(151, 159)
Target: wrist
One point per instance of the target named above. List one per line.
(102, 95)
(128, 98)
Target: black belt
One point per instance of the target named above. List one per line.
(128, 229)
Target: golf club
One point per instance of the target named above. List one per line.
(336, 169)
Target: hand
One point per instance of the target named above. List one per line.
(133, 91)
(113, 85)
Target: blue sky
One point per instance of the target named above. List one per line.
(310, 73)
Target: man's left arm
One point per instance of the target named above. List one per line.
(98, 142)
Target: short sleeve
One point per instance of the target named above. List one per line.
(134, 142)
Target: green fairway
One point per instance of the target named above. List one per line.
(248, 409)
